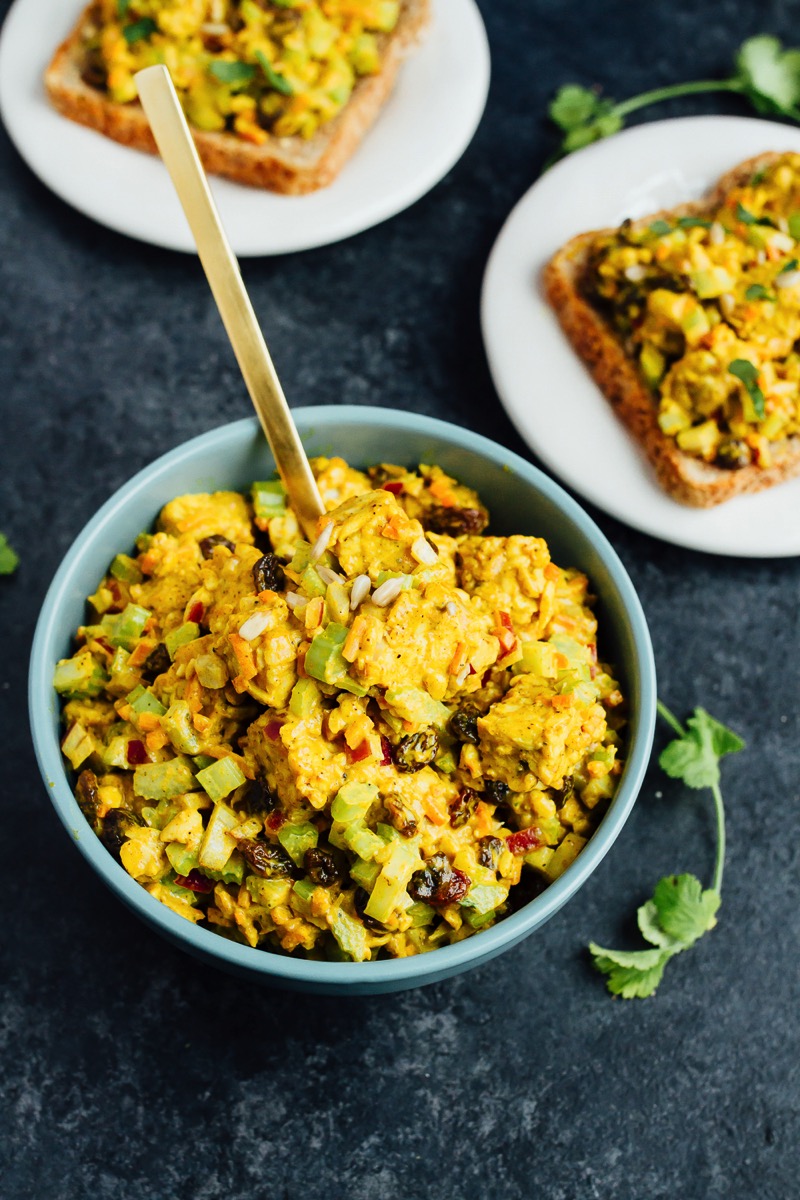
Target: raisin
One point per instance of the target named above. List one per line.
(361, 900)
(414, 752)
(456, 521)
(157, 662)
(116, 826)
(464, 724)
(463, 808)
(86, 795)
(496, 791)
(271, 862)
(733, 454)
(207, 544)
(258, 798)
(489, 851)
(322, 867)
(268, 574)
(439, 883)
(525, 840)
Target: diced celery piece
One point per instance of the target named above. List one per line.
(158, 781)
(179, 637)
(361, 841)
(387, 14)
(269, 892)
(391, 884)
(160, 816)
(175, 889)
(125, 628)
(446, 762)
(143, 701)
(565, 855)
(221, 778)
(121, 676)
(336, 835)
(217, 845)
(181, 859)
(311, 583)
(177, 725)
(269, 499)
(351, 936)
(115, 752)
(387, 832)
(365, 873)
(126, 569)
(296, 839)
(305, 698)
(415, 705)
(80, 677)
(407, 582)
(538, 658)
(353, 801)
(420, 914)
(476, 919)
(77, 745)
(232, 872)
(539, 858)
(486, 897)
(324, 659)
(202, 760)
(301, 894)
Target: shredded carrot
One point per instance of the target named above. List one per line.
(458, 659)
(148, 722)
(434, 809)
(352, 643)
(314, 610)
(156, 740)
(441, 490)
(562, 702)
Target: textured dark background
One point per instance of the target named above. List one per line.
(130, 1070)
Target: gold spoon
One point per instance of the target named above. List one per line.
(177, 149)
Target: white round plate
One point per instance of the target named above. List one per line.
(421, 133)
(546, 390)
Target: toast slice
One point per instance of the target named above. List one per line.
(687, 478)
(292, 165)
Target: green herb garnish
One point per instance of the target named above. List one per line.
(274, 78)
(659, 228)
(681, 910)
(139, 30)
(8, 557)
(694, 223)
(765, 74)
(122, 7)
(757, 291)
(788, 266)
(744, 371)
(232, 72)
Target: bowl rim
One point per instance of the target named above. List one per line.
(236, 956)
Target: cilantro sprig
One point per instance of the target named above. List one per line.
(9, 558)
(764, 73)
(681, 910)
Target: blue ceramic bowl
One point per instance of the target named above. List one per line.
(520, 499)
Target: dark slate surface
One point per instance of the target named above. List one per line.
(130, 1070)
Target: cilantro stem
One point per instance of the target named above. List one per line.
(719, 807)
(675, 90)
(719, 863)
(670, 719)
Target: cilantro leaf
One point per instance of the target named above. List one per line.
(630, 974)
(572, 106)
(745, 371)
(694, 758)
(8, 557)
(788, 266)
(757, 291)
(231, 72)
(694, 223)
(139, 30)
(276, 81)
(649, 922)
(685, 911)
(770, 75)
(660, 228)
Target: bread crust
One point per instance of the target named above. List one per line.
(686, 478)
(292, 165)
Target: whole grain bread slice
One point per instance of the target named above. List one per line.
(292, 165)
(686, 478)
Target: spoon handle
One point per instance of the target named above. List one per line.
(177, 149)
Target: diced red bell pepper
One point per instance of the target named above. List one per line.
(394, 485)
(386, 747)
(275, 820)
(273, 730)
(196, 613)
(137, 752)
(360, 753)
